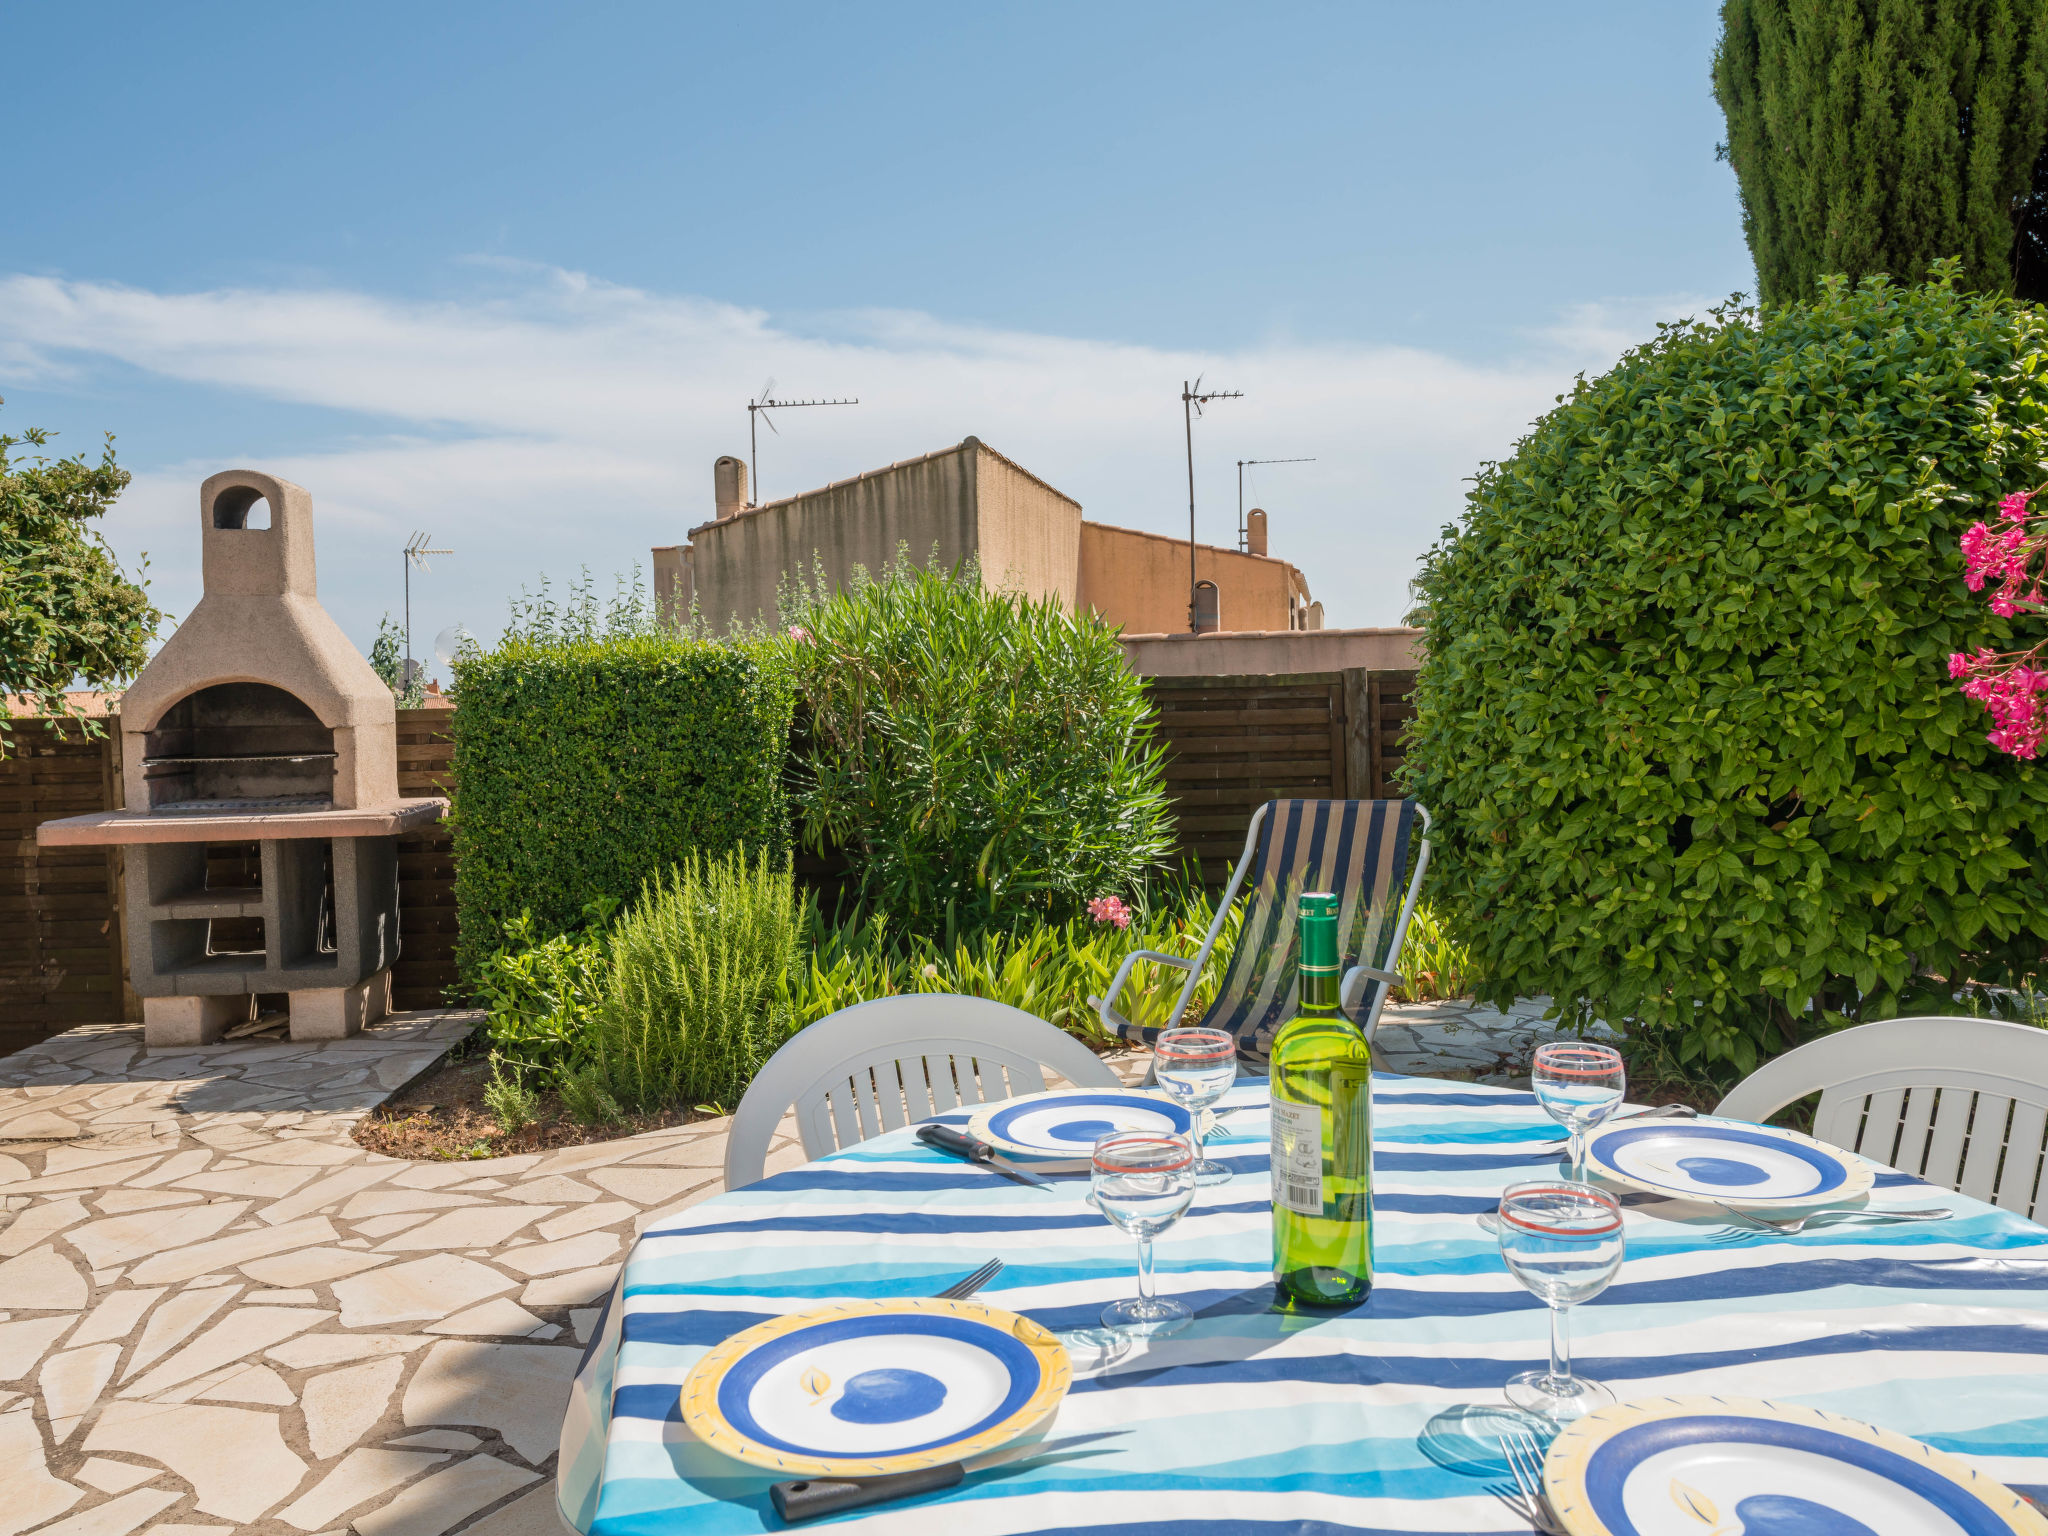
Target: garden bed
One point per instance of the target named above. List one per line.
(442, 1116)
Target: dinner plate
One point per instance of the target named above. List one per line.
(864, 1388)
(1747, 1167)
(1066, 1123)
(1697, 1466)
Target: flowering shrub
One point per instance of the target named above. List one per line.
(1110, 909)
(2007, 684)
(986, 761)
(1680, 719)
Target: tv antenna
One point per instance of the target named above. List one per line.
(416, 553)
(1243, 542)
(757, 410)
(1192, 399)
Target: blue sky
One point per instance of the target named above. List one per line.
(509, 273)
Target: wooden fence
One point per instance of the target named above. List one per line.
(60, 942)
(1232, 742)
(1235, 742)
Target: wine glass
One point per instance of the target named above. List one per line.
(1196, 1068)
(1579, 1086)
(1564, 1243)
(1143, 1182)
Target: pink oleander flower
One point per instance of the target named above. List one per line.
(2014, 508)
(1110, 909)
(798, 632)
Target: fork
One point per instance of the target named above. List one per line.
(967, 1285)
(1751, 1225)
(1525, 1463)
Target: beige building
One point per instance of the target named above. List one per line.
(968, 500)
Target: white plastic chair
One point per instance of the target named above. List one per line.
(1962, 1103)
(882, 1065)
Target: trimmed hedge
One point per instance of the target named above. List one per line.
(584, 767)
(1685, 717)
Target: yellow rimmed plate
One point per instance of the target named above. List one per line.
(865, 1388)
(1715, 1466)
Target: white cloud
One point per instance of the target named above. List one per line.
(563, 421)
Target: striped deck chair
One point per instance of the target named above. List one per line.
(1356, 848)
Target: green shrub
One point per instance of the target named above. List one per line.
(585, 763)
(1435, 963)
(1053, 970)
(540, 995)
(985, 760)
(1684, 718)
(699, 965)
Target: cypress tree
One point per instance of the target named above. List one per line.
(1880, 135)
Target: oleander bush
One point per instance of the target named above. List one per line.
(585, 763)
(985, 760)
(1684, 719)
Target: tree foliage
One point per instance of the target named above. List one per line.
(1875, 136)
(66, 610)
(985, 759)
(1685, 719)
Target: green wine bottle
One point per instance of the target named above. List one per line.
(1322, 1132)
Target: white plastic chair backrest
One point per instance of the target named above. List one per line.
(1962, 1103)
(882, 1065)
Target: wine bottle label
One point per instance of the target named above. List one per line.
(1297, 1157)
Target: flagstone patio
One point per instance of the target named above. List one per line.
(218, 1312)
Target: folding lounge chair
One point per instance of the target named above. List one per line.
(1355, 848)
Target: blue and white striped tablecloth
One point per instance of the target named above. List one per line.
(1253, 1421)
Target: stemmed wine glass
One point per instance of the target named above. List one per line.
(1143, 1182)
(1196, 1068)
(1579, 1086)
(1564, 1243)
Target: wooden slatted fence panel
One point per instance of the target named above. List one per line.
(426, 866)
(60, 961)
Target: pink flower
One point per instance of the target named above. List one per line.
(1110, 909)
(798, 632)
(2014, 508)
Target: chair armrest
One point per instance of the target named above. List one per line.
(1105, 1007)
(1353, 986)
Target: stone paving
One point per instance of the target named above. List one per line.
(1469, 1041)
(218, 1312)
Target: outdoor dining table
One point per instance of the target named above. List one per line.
(1256, 1419)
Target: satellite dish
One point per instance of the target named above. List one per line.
(451, 642)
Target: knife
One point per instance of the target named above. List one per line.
(811, 1497)
(946, 1139)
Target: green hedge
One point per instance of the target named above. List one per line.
(1685, 718)
(583, 767)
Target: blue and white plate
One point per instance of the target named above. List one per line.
(865, 1388)
(1065, 1124)
(1696, 1466)
(1746, 1167)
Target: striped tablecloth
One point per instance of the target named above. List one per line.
(1255, 1421)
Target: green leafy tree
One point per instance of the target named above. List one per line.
(67, 613)
(1875, 136)
(387, 660)
(1685, 717)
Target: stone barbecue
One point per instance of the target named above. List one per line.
(257, 723)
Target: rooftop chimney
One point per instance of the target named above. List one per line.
(1255, 530)
(729, 484)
